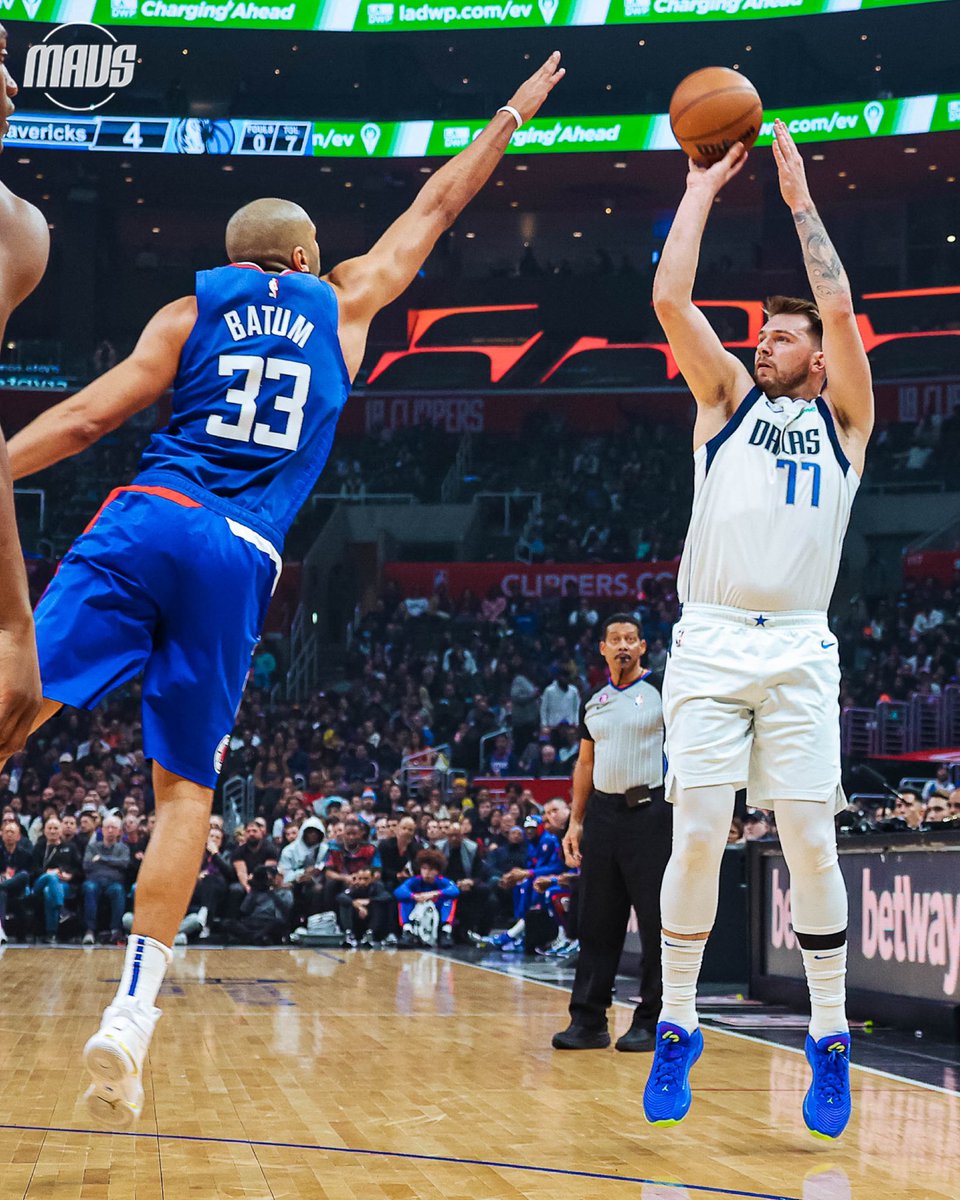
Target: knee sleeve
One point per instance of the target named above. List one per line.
(818, 895)
(691, 882)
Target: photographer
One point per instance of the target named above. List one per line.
(265, 911)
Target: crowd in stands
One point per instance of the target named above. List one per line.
(485, 688)
(893, 648)
(592, 491)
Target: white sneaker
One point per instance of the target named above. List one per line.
(180, 939)
(3, 934)
(114, 1057)
(89, 939)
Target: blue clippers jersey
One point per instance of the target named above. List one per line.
(260, 386)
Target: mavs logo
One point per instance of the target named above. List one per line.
(79, 67)
(220, 754)
(791, 441)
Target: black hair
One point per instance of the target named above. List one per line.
(621, 619)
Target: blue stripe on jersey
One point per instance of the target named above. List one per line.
(832, 434)
(260, 386)
(731, 426)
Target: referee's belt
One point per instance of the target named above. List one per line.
(632, 797)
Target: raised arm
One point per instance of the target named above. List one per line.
(850, 385)
(365, 285)
(132, 385)
(24, 246)
(717, 379)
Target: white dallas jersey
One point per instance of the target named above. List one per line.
(772, 497)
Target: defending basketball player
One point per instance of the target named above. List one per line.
(751, 690)
(174, 575)
(24, 246)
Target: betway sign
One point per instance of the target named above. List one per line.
(426, 336)
(904, 926)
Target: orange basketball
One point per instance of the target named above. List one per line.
(713, 108)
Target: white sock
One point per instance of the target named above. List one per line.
(682, 961)
(203, 915)
(826, 977)
(144, 967)
(515, 930)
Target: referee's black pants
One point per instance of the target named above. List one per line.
(625, 852)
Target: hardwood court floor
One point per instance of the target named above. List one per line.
(306, 1075)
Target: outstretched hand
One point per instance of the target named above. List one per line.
(793, 177)
(716, 176)
(529, 96)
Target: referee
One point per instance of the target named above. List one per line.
(619, 835)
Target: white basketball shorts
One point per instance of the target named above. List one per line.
(752, 700)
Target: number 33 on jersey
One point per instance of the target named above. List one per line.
(261, 385)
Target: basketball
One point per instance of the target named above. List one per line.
(713, 108)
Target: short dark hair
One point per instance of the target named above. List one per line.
(798, 306)
(431, 858)
(622, 618)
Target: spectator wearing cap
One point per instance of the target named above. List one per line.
(368, 803)
(105, 867)
(757, 826)
(560, 703)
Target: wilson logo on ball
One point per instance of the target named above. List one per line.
(80, 67)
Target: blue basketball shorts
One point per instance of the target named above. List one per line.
(159, 584)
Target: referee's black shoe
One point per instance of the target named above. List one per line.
(575, 1037)
(637, 1039)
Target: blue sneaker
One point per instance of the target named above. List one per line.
(494, 940)
(512, 946)
(826, 1106)
(667, 1096)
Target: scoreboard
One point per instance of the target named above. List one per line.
(161, 135)
(843, 121)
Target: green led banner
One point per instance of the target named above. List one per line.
(435, 139)
(393, 15)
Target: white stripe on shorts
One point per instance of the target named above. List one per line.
(261, 543)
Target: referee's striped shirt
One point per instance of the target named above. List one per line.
(626, 726)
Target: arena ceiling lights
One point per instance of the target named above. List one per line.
(417, 15)
(912, 115)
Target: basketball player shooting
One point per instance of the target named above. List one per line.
(174, 575)
(751, 690)
(24, 246)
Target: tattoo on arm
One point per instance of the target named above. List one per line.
(824, 269)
